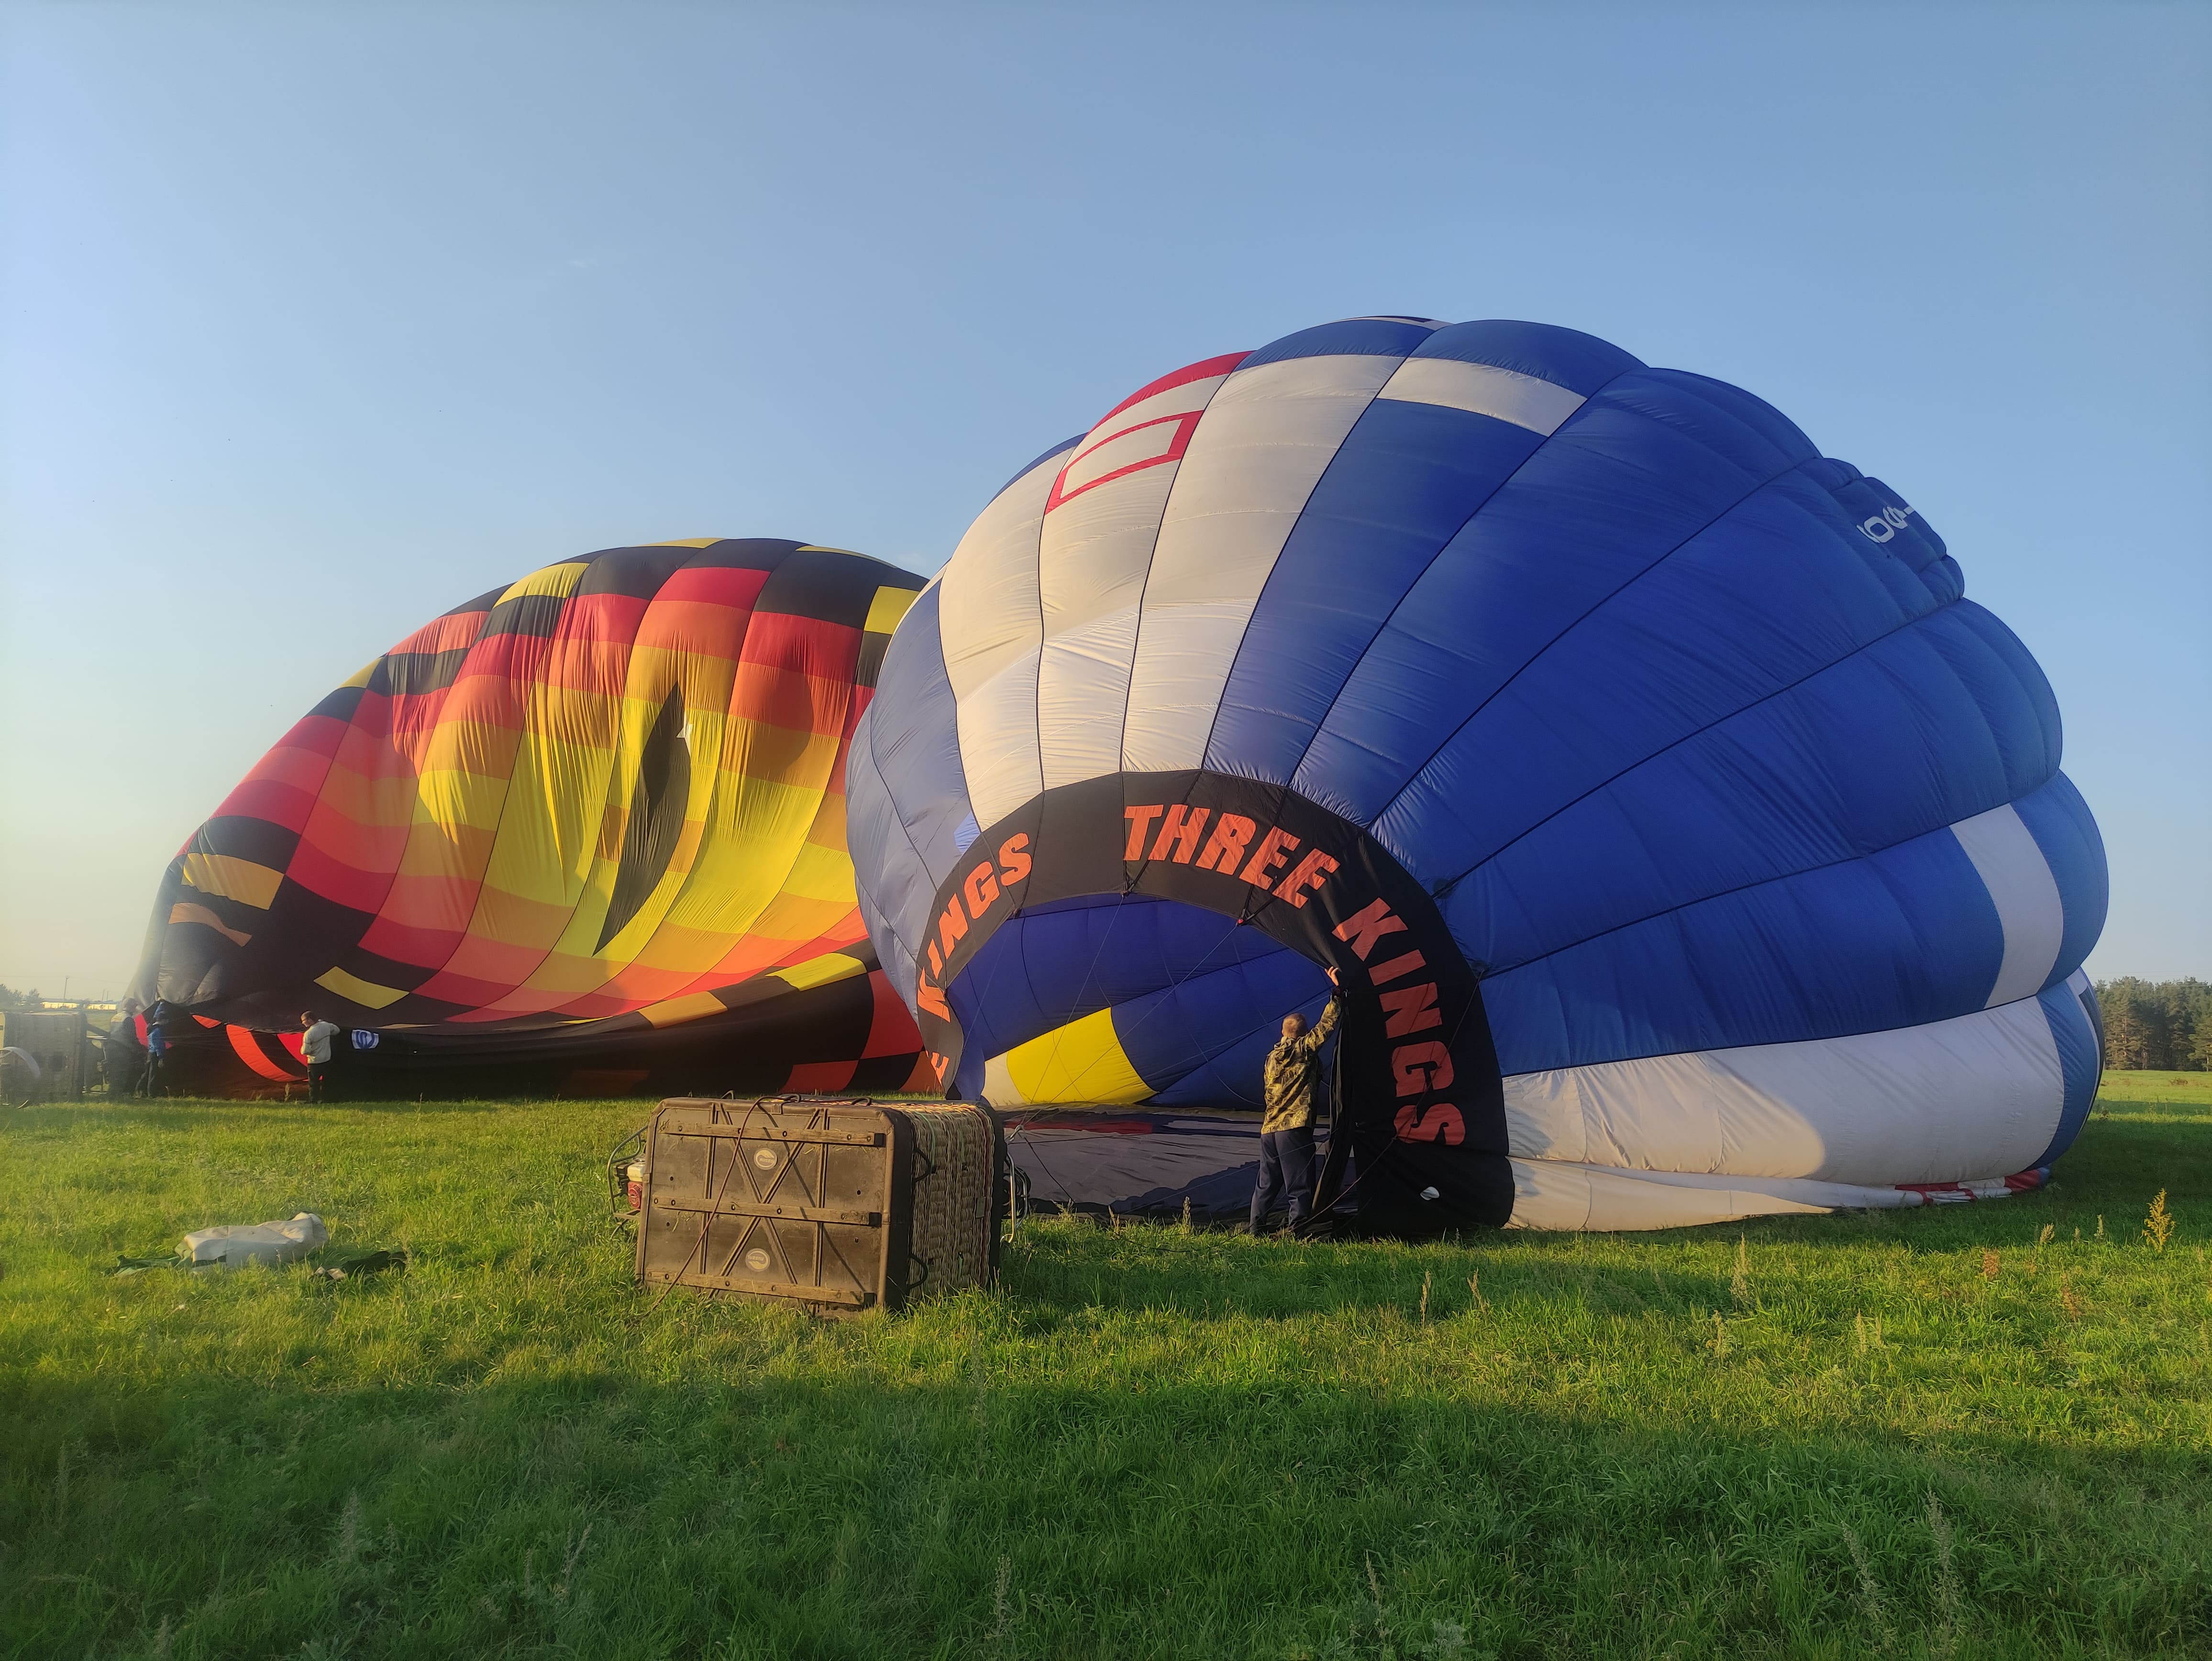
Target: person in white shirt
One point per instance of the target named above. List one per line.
(315, 1050)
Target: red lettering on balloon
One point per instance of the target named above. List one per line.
(1411, 1009)
(1439, 1122)
(1421, 1068)
(1275, 849)
(1226, 845)
(1182, 826)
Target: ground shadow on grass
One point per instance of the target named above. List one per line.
(615, 1518)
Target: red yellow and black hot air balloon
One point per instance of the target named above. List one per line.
(584, 832)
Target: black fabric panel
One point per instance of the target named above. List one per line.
(656, 816)
(636, 572)
(526, 614)
(339, 705)
(828, 586)
(483, 602)
(870, 660)
(745, 553)
(242, 836)
(404, 673)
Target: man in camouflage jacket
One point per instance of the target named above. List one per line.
(1290, 1080)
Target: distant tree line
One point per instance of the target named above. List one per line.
(2158, 1025)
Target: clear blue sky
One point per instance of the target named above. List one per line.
(321, 320)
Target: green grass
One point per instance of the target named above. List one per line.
(1816, 1436)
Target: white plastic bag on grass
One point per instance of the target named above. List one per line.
(234, 1246)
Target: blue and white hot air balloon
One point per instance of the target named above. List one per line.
(1689, 846)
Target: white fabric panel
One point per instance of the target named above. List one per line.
(1096, 547)
(1579, 1196)
(2013, 868)
(1525, 400)
(1977, 1096)
(987, 618)
(1252, 463)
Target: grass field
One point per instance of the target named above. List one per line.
(1911, 1433)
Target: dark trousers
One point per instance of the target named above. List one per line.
(318, 1080)
(1286, 1159)
(151, 1084)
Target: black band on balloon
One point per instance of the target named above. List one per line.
(1424, 1105)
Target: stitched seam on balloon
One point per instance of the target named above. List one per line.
(1764, 698)
(1760, 882)
(1398, 605)
(883, 910)
(1578, 622)
(1137, 636)
(1251, 903)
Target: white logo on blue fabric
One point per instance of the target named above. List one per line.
(1886, 524)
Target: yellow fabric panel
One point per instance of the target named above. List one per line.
(232, 877)
(820, 971)
(1082, 1061)
(794, 917)
(552, 580)
(753, 829)
(827, 829)
(367, 993)
(515, 920)
(781, 753)
(822, 873)
(684, 542)
(676, 1011)
(452, 799)
(885, 609)
(567, 972)
(359, 677)
(445, 850)
(687, 951)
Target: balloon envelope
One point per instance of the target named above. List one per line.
(588, 821)
(1688, 845)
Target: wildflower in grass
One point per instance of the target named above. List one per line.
(1870, 1590)
(1945, 1641)
(1989, 1265)
(2157, 1227)
(2069, 1300)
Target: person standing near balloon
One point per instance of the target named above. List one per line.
(157, 1048)
(315, 1050)
(1289, 1082)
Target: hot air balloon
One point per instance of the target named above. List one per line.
(587, 830)
(1689, 846)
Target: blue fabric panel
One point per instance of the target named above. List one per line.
(2059, 820)
(2009, 685)
(1231, 1079)
(1358, 337)
(1887, 745)
(1194, 1037)
(2080, 1056)
(907, 793)
(1644, 466)
(1052, 964)
(1900, 938)
(1404, 481)
(1761, 601)
(1566, 357)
